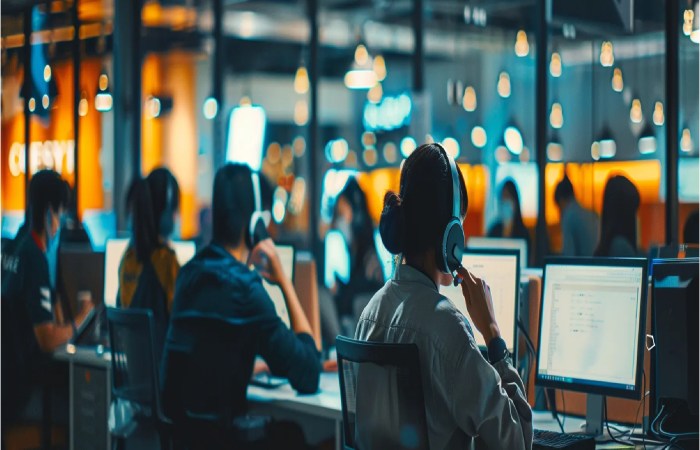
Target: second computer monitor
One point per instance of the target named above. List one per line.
(592, 322)
(479, 243)
(286, 254)
(501, 271)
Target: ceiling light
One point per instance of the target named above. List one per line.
(337, 150)
(502, 154)
(595, 151)
(45, 101)
(636, 111)
(408, 145)
(695, 34)
(607, 58)
(375, 94)
(522, 48)
(31, 103)
(361, 55)
(503, 86)
(647, 141)
(658, 116)
(688, 15)
(360, 78)
(390, 153)
(156, 107)
(607, 145)
(555, 150)
(369, 156)
(301, 81)
(469, 99)
(103, 98)
(686, 141)
(301, 113)
(379, 67)
(279, 204)
(555, 65)
(617, 81)
(556, 116)
(83, 104)
(513, 139)
(210, 108)
(451, 146)
(47, 73)
(479, 138)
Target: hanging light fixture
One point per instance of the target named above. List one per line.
(555, 65)
(636, 111)
(83, 104)
(658, 115)
(695, 33)
(513, 139)
(361, 74)
(606, 143)
(555, 150)
(103, 99)
(617, 82)
(686, 141)
(503, 86)
(479, 138)
(375, 94)
(647, 140)
(556, 116)
(688, 16)
(522, 48)
(210, 108)
(607, 58)
(469, 99)
(379, 67)
(301, 80)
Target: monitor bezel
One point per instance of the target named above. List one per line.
(504, 252)
(641, 328)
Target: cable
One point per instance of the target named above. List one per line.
(607, 425)
(563, 407)
(554, 411)
(678, 436)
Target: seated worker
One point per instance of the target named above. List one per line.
(467, 397)
(218, 283)
(618, 221)
(579, 226)
(149, 267)
(510, 224)
(33, 322)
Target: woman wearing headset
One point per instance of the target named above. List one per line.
(149, 266)
(467, 397)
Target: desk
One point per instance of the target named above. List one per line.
(285, 403)
(90, 387)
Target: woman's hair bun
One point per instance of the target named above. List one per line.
(391, 224)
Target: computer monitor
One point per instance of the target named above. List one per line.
(591, 330)
(11, 223)
(286, 254)
(114, 252)
(477, 243)
(100, 226)
(501, 271)
(674, 359)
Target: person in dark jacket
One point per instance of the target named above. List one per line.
(218, 283)
(510, 224)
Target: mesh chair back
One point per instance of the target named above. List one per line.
(381, 395)
(134, 369)
(202, 383)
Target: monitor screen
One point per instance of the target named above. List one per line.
(11, 223)
(100, 226)
(591, 324)
(286, 254)
(479, 243)
(114, 252)
(500, 271)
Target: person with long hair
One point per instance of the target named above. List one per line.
(510, 218)
(618, 224)
(149, 267)
(469, 397)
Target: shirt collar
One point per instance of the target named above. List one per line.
(410, 274)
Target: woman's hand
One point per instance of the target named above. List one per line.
(477, 295)
(266, 260)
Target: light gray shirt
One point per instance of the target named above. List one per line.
(465, 396)
(580, 230)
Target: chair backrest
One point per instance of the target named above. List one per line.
(202, 383)
(381, 395)
(134, 368)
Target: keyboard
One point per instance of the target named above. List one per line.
(547, 440)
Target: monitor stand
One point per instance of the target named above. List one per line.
(594, 415)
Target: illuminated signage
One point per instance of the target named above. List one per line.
(55, 155)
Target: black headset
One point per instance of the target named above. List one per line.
(452, 243)
(259, 220)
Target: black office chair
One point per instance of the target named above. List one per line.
(381, 395)
(135, 374)
(200, 392)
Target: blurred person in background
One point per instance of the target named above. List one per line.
(510, 218)
(691, 229)
(149, 267)
(579, 226)
(618, 225)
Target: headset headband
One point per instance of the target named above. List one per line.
(456, 200)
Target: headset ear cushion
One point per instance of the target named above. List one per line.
(452, 247)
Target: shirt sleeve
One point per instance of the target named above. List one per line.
(491, 403)
(39, 296)
(289, 355)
